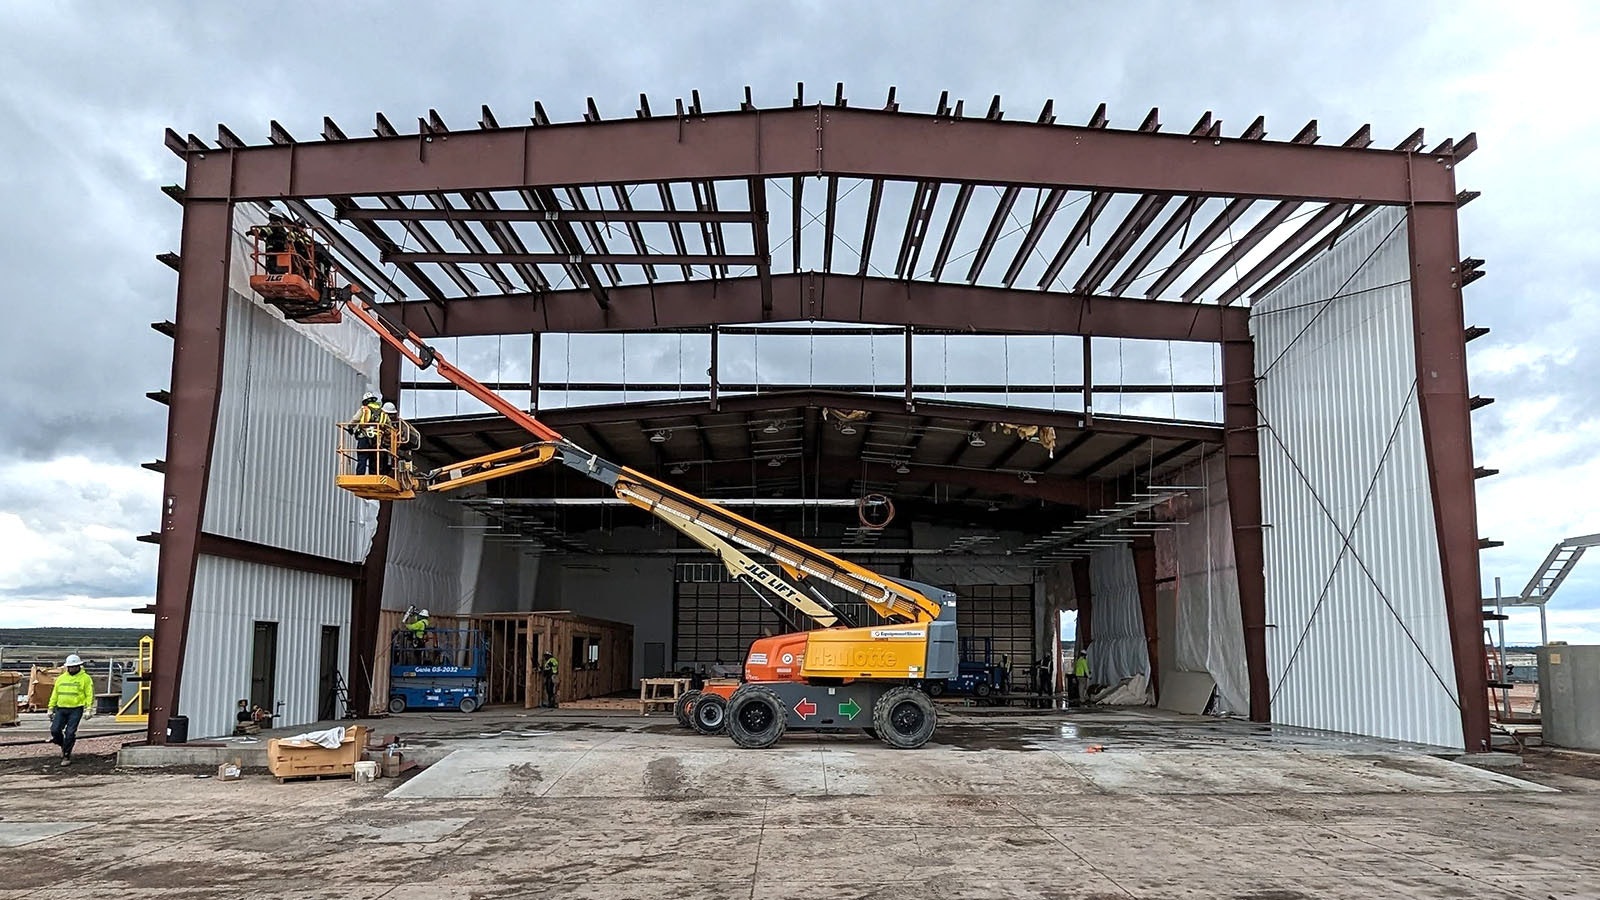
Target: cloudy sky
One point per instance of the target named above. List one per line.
(86, 89)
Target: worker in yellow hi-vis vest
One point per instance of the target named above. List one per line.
(73, 693)
(1078, 684)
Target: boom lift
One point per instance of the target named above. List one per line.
(833, 678)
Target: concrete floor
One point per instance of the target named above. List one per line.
(528, 805)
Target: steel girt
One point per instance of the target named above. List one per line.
(852, 142)
(811, 296)
(1242, 463)
(366, 599)
(191, 429)
(1440, 329)
(883, 405)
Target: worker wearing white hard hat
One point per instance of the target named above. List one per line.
(69, 699)
(367, 425)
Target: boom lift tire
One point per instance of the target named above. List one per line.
(682, 708)
(756, 717)
(397, 705)
(934, 688)
(709, 714)
(905, 718)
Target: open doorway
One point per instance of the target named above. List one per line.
(264, 666)
(328, 674)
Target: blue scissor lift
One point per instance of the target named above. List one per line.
(447, 671)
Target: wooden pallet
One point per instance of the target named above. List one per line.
(660, 692)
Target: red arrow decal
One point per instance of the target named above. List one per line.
(805, 709)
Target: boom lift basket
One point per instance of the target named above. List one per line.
(382, 471)
(292, 273)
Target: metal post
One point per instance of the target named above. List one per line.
(1242, 460)
(1088, 381)
(1500, 613)
(911, 400)
(196, 389)
(1442, 400)
(1544, 631)
(533, 377)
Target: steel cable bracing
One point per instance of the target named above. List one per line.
(1348, 546)
(1331, 297)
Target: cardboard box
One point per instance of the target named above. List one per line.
(9, 679)
(292, 759)
(41, 682)
(231, 770)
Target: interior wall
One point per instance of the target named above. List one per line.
(1118, 649)
(427, 546)
(1357, 639)
(1202, 597)
(632, 589)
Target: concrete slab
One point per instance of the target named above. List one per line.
(16, 834)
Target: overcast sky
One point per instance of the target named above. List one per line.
(86, 89)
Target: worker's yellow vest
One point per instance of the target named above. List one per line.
(73, 690)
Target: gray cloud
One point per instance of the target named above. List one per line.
(85, 90)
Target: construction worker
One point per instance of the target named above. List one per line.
(367, 425)
(1078, 683)
(390, 438)
(275, 241)
(418, 628)
(551, 670)
(72, 695)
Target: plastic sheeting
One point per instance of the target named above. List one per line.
(1209, 633)
(1118, 649)
(426, 550)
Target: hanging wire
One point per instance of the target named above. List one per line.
(680, 366)
(624, 367)
(1005, 343)
(1121, 383)
(946, 367)
(566, 392)
(1053, 379)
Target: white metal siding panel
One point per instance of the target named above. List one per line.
(229, 598)
(273, 465)
(1360, 646)
(1117, 648)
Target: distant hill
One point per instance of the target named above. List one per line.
(107, 638)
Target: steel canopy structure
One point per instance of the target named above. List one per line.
(697, 219)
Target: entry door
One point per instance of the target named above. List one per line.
(655, 659)
(327, 706)
(264, 666)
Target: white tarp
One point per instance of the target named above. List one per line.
(1210, 632)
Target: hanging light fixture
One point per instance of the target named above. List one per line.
(772, 428)
(775, 462)
(678, 469)
(902, 469)
(847, 428)
(975, 439)
(660, 437)
(1027, 478)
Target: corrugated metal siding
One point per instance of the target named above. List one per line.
(273, 465)
(1363, 645)
(1118, 647)
(229, 598)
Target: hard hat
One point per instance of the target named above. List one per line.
(369, 397)
(390, 409)
(73, 660)
(424, 614)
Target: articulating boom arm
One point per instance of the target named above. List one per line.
(707, 524)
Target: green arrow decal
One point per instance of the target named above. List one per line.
(849, 709)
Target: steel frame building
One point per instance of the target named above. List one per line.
(552, 269)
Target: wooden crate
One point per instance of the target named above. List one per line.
(286, 760)
(660, 693)
(8, 704)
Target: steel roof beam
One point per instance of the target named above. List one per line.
(577, 258)
(678, 244)
(830, 213)
(874, 199)
(1052, 203)
(855, 142)
(811, 296)
(951, 226)
(635, 233)
(762, 242)
(1008, 198)
(1112, 458)
(590, 228)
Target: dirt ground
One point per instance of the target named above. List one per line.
(626, 807)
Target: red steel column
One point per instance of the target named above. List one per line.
(191, 426)
(366, 599)
(1144, 573)
(1442, 398)
(1242, 454)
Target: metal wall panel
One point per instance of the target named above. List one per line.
(229, 598)
(1118, 648)
(1357, 637)
(273, 463)
(426, 541)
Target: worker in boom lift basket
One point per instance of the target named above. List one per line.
(367, 426)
